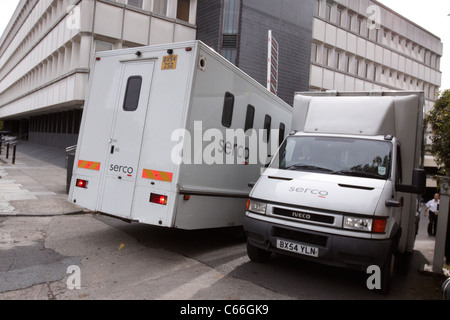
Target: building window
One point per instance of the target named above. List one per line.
(359, 23)
(230, 30)
(337, 62)
(347, 64)
(103, 46)
(349, 22)
(357, 65)
(314, 53)
(326, 56)
(183, 10)
(328, 12)
(339, 17)
(229, 54)
(160, 7)
(135, 3)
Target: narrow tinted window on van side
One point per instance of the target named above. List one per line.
(249, 118)
(132, 93)
(267, 125)
(228, 106)
(282, 133)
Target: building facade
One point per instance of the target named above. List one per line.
(361, 45)
(238, 29)
(46, 52)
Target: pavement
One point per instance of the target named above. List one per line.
(36, 184)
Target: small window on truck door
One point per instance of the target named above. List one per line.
(132, 93)
(228, 106)
(281, 133)
(267, 125)
(249, 118)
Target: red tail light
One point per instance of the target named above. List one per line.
(159, 199)
(82, 183)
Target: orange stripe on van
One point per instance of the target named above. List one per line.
(89, 165)
(157, 175)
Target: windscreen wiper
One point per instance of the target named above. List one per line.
(358, 174)
(307, 167)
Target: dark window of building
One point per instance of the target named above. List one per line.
(230, 29)
(267, 125)
(349, 22)
(249, 118)
(135, 3)
(183, 9)
(328, 12)
(339, 17)
(228, 107)
(132, 93)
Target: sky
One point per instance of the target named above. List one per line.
(432, 15)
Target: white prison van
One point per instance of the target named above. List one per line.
(343, 187)
(154, 145)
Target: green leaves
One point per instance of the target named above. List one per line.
(439, 122)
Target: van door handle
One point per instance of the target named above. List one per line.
(112, 149)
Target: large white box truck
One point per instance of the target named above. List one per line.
(156, 141)
(342, 188)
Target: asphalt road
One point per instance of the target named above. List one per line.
(122, 261)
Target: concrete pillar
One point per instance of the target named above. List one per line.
(441, 233)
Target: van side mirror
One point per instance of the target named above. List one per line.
(418, 186)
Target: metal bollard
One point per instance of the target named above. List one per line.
(14, 155)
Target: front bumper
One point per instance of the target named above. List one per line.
(336, 250)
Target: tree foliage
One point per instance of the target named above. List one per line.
(439, 121)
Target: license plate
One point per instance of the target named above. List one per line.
(169, 62)
(297, 248)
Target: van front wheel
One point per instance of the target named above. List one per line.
(256, 254)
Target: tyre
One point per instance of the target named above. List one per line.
(387, 272)
(256, 254)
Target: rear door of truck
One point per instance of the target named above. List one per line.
(125, 141)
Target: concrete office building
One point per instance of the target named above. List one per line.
(361, 45)
(238, 29)
(46, 51)
(353, 52)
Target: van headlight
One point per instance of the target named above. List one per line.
(359, 224)
(257, 207)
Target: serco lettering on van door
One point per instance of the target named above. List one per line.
(157, 175)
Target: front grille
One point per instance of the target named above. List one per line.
(303, 215)
(299, 236)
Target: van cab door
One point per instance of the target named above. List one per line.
(126, 138)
